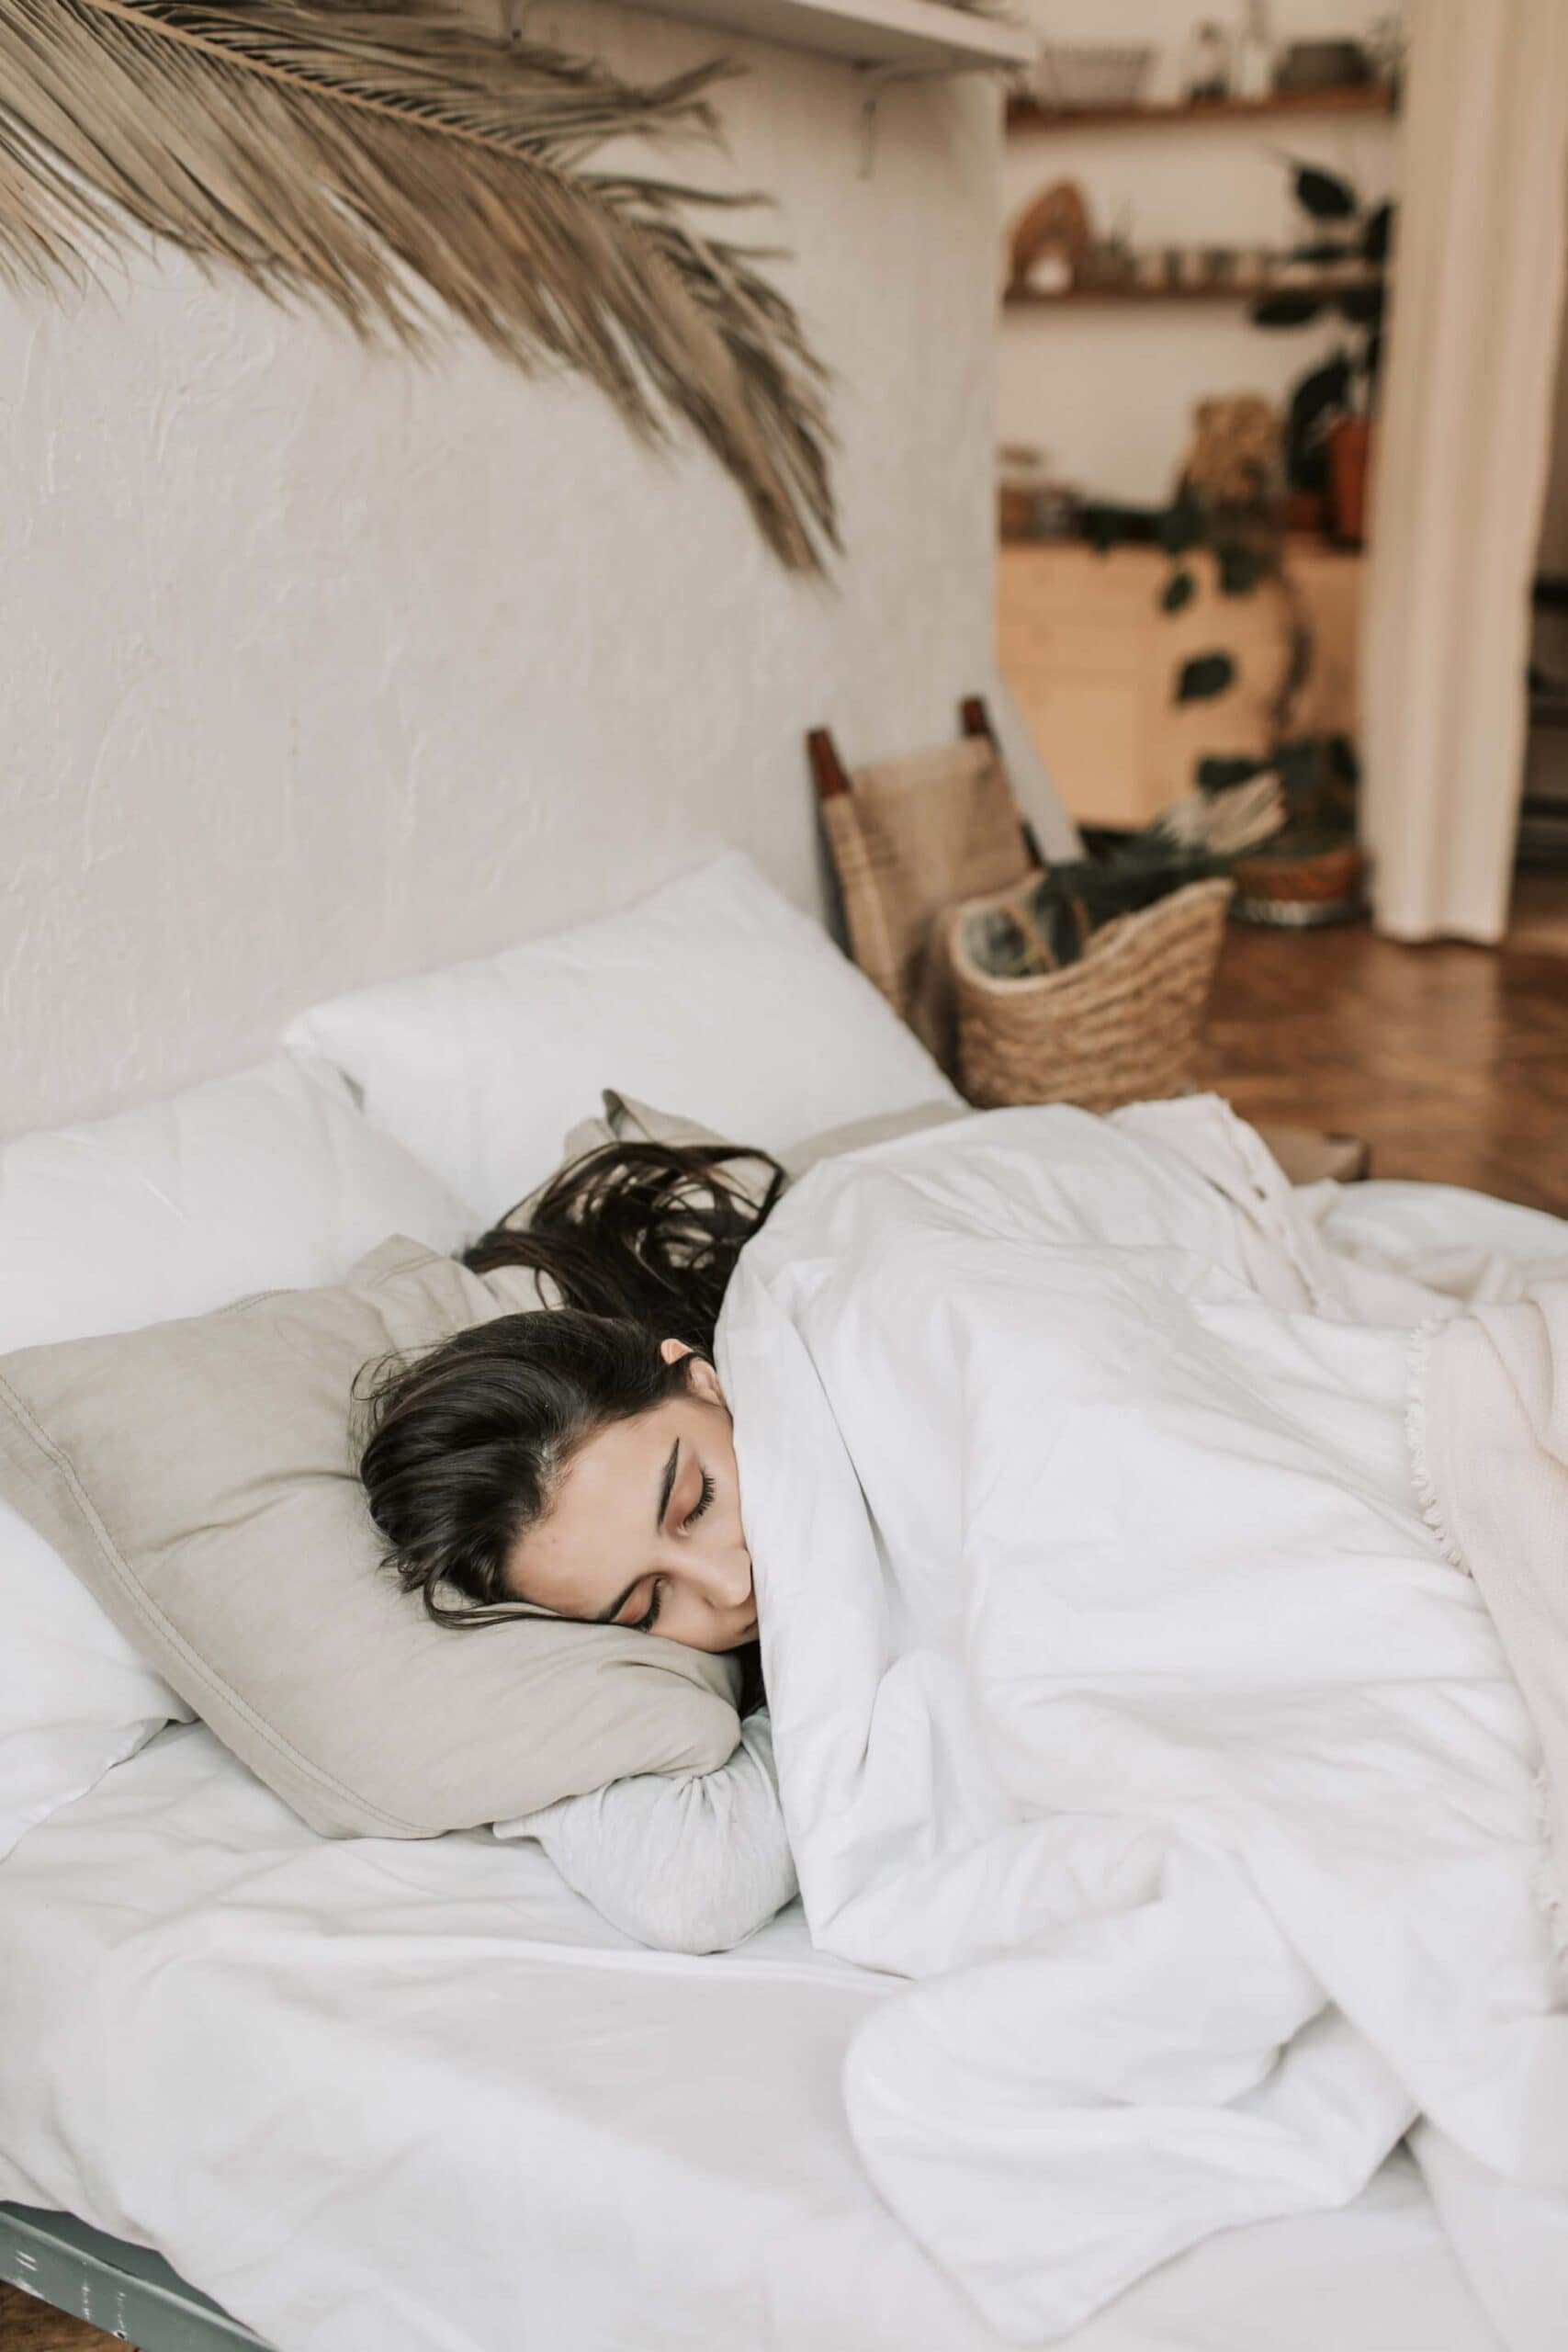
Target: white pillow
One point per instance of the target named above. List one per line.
(267, 1180)
(715, 994)
(270, 1180)
(75, 1696)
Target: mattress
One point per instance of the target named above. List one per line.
(374, 2094)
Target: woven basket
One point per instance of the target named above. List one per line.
(1121, 1025)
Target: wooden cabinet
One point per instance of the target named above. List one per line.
(1092, 661)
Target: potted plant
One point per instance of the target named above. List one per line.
(1228, 510)
(1311, 869)
(1314, 870)
(1329, 429)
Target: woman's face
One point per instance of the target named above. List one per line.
(645, 1528)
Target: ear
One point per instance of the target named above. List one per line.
(701, 1378)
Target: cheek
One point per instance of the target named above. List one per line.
(675, 1622)
(695, 1634)
(686, 1615)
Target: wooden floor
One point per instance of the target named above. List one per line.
(1452, 1061)
(30, 2326)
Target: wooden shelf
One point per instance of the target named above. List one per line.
(1027, 298)
(1360, 98)
(914, 35)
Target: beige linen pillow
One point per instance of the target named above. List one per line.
(886, 1126)
(625, 1120)
(198, 1476)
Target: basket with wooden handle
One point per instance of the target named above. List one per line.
(1123, 1024)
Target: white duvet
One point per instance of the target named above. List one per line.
(1123, 1702)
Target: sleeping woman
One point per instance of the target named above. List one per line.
(578, 1462)
(1209, 1807)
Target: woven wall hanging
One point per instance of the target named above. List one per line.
(386, 162)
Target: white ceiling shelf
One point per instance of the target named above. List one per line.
(913, 35)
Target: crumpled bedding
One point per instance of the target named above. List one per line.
(377, 2095)
(1489, 1433)
(1125, 1703)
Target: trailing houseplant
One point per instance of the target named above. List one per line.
(1329, 419)
(1311, 869)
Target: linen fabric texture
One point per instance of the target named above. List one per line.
(625, 1120)
(198, 1476)
(269, 1176)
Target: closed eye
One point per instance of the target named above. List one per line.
(646, 1624)
(702, 1502)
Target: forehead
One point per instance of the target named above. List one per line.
(601, 1530)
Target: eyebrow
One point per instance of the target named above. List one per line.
(666, 1487)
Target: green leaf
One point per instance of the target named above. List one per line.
(1179, 589)
(1344, 759)
(1363, 305)
(1240, 570)
(1204, 676)
(1323, 194)
(1301, 768)
(1286, 310)
(1377, 234)
(1102, 527)
(1215, 775)
(1181, 525)
(1321, 396)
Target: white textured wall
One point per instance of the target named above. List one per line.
(319, 667)
(1109, 394)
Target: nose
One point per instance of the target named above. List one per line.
(725, 1580)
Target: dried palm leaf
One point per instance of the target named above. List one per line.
(372, 157)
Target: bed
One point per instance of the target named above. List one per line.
(377, 2095)
(506, 2125)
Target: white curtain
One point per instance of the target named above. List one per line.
(1461, 456)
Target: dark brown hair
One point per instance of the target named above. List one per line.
(646, 1232)
(463, 1445)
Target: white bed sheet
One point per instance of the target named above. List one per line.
(388, 2098)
